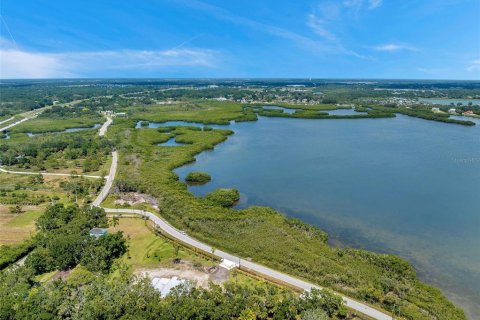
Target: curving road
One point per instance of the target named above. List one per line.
(108, 184)
(181, 236)
(258, 268)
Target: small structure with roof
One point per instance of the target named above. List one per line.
(452, 110)
(435, 110)
(227, 264)
(98, 232)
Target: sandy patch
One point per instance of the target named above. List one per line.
(200, 278)
(132, 198)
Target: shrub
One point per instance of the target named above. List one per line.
(198, 177)
(10, 254)
(224, 197)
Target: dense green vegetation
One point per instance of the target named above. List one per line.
(87, 296)
(100, 287)
(82, 151)
(224, 197)
(10, 254)
(372, 112)
(198, 177)
(267, 236)
(63, 241)
(429, 115)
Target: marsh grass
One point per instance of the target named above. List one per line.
(267, 236)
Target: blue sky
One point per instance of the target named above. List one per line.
(414, 39)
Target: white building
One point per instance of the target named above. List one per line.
(435, 110)
(229, 265)
(452, 110)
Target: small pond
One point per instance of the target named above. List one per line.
(344, 112)
(68, 130)
(154, 125)
(171, 143)
(285, 110)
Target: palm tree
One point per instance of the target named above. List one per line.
(115, 221)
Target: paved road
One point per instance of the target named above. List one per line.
(177, 234)
(108, 184)
(6, 120)
(104, 127)
(15, 123)
(270, 273)
(51, 174)
(33, 114)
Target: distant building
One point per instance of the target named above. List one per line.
(98, 232)
(213, 86)
(121, 114)
(452, 110)
(435, 109)
(165, 285)
(468, 113)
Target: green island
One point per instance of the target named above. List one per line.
(198, 177)
(63, 261)
(224, 197)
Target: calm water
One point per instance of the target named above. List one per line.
(465, 102)
(339, 112)
(171, 143)
(343, 112)
(285, 110)
(155, 125)
(401, 185)
(95, 126)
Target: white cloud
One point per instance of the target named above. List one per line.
(21, 64)
(373, 4)
(357, 5)
(392, 47)
(17, 63)
(298, 39)
(474, 66)
(327, 17)
(318, 26)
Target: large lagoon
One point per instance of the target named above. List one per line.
(400, 185)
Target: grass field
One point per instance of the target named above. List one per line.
(147, 250)
(207, 112)
(15, 228)
(40, 124)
